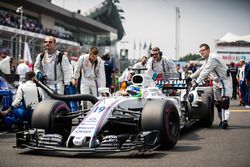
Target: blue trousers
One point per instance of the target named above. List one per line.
(18, 116)
(71, 91)
(243, 91)
(248, 94)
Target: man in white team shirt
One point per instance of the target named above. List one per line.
(222, 83)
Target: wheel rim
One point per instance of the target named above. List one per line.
(62, 127)
(171, 124)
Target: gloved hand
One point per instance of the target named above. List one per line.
(188, 80)
(194, 85)
(40, 76)
(66, 89)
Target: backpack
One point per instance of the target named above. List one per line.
(59, 59)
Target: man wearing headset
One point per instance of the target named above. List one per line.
(159, 64)
(222, 84)
(58, 72)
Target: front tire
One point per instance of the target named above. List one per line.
(162, 115)
(45, 117)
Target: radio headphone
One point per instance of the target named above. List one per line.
(160, 53)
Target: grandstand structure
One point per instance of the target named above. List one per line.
(74, 32)
(233, 48)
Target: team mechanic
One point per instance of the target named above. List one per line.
(92, 69)
(159, 64)
(222, 83)
(54, 65)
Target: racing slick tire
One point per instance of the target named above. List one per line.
(162, 115)
(207, 109)
(45, 117)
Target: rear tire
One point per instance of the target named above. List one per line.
(162, 115)
(207, 107)
(45, 117)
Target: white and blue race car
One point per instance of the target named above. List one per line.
(141, 118)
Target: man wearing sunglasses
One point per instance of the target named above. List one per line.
(215, 68)
(159, 64)
(54, 66)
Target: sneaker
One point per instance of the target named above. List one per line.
(224, 124)
(220, 124)
(247, 107)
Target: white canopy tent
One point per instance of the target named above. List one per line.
(229, 37)
(233, 48)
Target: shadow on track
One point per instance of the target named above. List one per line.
(132, 154)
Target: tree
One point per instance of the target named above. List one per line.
(190, 57)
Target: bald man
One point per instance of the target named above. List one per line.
(58, 72)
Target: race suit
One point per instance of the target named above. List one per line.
(27, 97)
(222, 84)
(161, 70)
(93, 75)
(30, 93)
(139, 65)
(5, 65)
(165, 65)
(57, 74)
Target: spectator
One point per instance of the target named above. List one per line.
(242, 83)
(11, 19)
(179, 70)
(54, 66)
(22, 69)
(192, 67)
(109, 70)
(186, 72)
(233, 71)
(247, 80)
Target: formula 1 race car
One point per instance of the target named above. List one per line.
(17, 118)
(141, 118)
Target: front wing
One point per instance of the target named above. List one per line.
(36, 139)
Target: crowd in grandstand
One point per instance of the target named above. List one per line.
(12, 19)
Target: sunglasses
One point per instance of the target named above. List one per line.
(203, 50)
(47, 41)
(155, 54)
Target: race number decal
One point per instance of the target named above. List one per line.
(99, 109)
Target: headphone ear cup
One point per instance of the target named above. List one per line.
(160, 53)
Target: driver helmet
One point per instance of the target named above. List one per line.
(133, 90)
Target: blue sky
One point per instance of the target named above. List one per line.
(154, 21)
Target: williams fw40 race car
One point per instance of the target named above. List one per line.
(144, 118)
